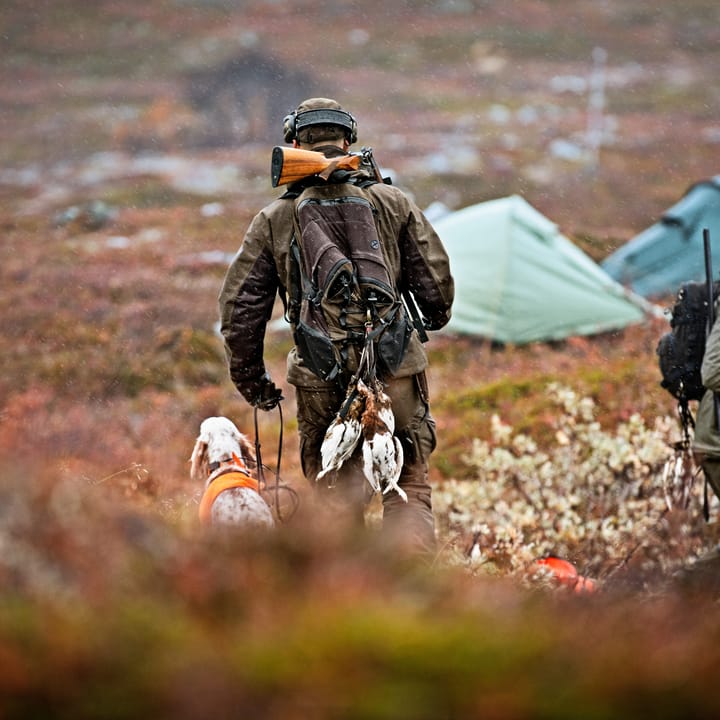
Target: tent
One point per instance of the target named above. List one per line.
(658, 260)
(519, 280)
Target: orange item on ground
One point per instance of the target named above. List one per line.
(566, 574)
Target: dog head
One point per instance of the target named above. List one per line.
(218, 440)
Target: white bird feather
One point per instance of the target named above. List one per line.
(394, 477)
(341, 438)
(368, 467)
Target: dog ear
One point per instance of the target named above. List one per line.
(199, 461)
(248, 450)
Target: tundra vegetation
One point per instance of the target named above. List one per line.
(121, 203)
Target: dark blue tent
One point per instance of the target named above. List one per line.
(658, 260)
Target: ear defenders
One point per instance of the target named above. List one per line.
(295, 122)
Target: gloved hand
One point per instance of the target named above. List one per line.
(267, 395)
(435, 324)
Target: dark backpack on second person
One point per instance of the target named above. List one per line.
(680, 351)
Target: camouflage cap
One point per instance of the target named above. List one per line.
(318, 103)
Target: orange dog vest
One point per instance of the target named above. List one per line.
(226, 481)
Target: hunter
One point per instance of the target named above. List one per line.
(417, 261)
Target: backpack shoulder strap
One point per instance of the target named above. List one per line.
(338, 177)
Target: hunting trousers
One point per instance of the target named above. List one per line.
(710, 465)
(408, 525)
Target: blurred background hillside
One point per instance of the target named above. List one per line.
(599, 113)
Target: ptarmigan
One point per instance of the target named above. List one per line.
(342, 436)
(382, 451)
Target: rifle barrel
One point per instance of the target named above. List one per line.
(708, 277)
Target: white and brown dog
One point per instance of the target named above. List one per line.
(220, 460)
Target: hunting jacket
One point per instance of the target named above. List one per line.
(259, 272)
(707, 437)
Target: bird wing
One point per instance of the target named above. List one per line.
(384, 410)
(393, 478)
(340, 441)
(385, 458)
(368, 467)
(331, 442)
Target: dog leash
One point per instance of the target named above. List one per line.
(295, 500)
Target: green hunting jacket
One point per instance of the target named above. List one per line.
(259, 272)
(707, 437)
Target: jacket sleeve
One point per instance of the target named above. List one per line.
(710, 369)
(246, 302)
(426, 269)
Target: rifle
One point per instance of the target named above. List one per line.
(366, 154)
(414, 313)
(407, 296)
(711, 311)
(292, 164)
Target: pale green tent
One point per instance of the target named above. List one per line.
(519, 280)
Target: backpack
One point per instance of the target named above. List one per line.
(680, 351)
(341, 290)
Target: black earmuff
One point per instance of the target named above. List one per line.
(289, 127)
(295, 122)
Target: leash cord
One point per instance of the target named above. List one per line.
(295, 500)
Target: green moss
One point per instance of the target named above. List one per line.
(486, 397)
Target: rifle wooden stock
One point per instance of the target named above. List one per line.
(292, 164)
